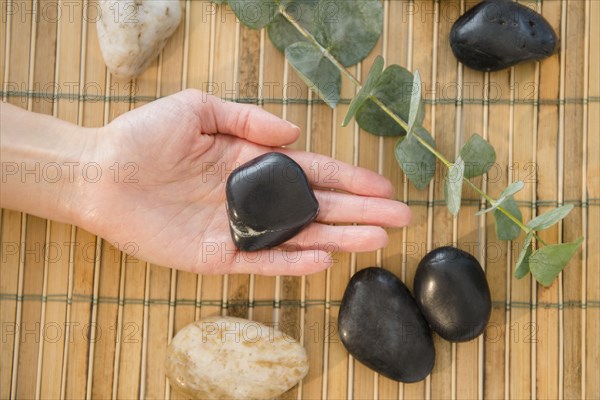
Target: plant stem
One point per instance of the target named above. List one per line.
(396, 118)
(315, 42)
(520, 224)
(405, 126)
(504, 211)
(448, 164)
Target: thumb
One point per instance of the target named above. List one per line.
(245, 121)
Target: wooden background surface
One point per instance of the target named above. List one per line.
(542, 118)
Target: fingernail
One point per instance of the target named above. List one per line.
(292, 125)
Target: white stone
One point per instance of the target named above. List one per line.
(234, 358)
(133, 32)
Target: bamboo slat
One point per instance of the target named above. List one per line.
(573, 149)
(420, 35)
(11, 239)
(591, 378)
(366, 156)
(547, 346)
(81, 319)
(314, 331)
(30, 313)
(446, 87)
(394, 51)
(340, 368)
(16, 67)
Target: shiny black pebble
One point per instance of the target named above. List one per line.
(453, 294)
(269, 200)
(381, 326)
(497, 34)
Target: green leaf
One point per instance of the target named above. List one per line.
(510, 190)
(522, 265)
(394, 89)
(453, 186)
(365, 91)
(255, 14)
(316, 70)
(219, 1)
(416, 161)
(282, 33)
(415, 102)
(347, 29)
(505, 228)
(548, 219)
(546, 263)
(478, 155)
(374, 74)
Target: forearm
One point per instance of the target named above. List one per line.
(44, 161)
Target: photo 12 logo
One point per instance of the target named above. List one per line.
(68, 171)
(70, 332)
(319, 173)
(56, 252)
(71, 92)
(52, 11)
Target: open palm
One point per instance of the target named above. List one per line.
(165, 194)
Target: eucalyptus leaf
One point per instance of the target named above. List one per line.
(522, 265)
(546, 263)
(505, 228)
(255, 14)
(394, 89)
(349, 30)
(548, 219)
(415, 102)
(478, 155)
(365, 91)
(282, 33)
(416, 161)
(453, 186)
(510, 190)
(316, 70)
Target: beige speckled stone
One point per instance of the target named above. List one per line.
(133, 32)
(234, 358)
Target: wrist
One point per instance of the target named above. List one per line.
(45, 164)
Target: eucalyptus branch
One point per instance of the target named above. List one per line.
(396, 118)
(316, 43)
(516, 221)
(378, 100)
(447, 163)
(404, 125)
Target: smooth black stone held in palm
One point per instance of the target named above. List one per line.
(497, 34)
(381, 326)
(269, 200)
(451, 289)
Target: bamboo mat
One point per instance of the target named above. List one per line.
(82, 320)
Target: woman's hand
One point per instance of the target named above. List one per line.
(164, 168)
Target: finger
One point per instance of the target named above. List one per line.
(339, 238)
(248, 122)
(325, 172)
(341, 207)
(276, 262)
